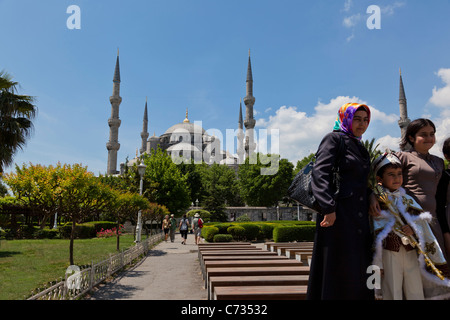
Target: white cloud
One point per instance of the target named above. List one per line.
(441, 97)
(352, 20)
(347, 5)
(390, 9)
(388, 142)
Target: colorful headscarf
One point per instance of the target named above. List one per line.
(344, 119)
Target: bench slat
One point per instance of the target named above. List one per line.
(261, 293)
(236, 281)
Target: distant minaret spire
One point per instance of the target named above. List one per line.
(249, 122)
(144, 133)
(240, 136)
(404, 120)
(114, 122)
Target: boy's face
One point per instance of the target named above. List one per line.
(392, 178)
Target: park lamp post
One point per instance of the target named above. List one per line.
(141, 171)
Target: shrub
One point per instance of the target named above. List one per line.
(109, 232)
(236, 232)
(223, 227)
(223, 237)
(205, 215)
(243, 218)
(251, 231)
(294, 233)
(46, 233)
(267, 230)
(208, 233)
(85, 230)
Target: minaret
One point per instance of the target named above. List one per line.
(144, 133)
(114, 122)
(249, 122)
(240, 136)
(404, 120)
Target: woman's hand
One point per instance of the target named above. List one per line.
(328, 220)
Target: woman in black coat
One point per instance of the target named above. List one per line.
(343, 240)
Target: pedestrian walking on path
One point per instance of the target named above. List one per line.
(184, 227)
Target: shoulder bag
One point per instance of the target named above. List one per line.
(300, 189)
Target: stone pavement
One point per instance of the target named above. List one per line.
(170, 271)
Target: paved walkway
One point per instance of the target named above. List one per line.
(171, 271)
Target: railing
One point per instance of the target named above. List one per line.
(91, 276)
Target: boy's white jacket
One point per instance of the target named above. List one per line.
(434, 288)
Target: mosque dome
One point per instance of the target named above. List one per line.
(185, 127)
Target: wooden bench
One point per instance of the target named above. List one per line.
(282, 250)
(250, 263)
(260, 293)
(255, 271)
(212, 244)
(304, 257)
(238, 257)
(218, 248)
(274, 246)
(235, 281)
(290, 252)
(229, 253)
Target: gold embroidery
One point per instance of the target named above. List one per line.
(430, 247)
(407, 202)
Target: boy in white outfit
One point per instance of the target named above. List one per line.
(405, 248)
(399, 263)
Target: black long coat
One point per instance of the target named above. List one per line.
(342, 252)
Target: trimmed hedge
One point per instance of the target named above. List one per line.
(208, 233)
(223, 237)
(251, 231)
(267, 230)
(85, 230)
(294, 233)
(237, 232)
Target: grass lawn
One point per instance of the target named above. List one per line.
(28, 264)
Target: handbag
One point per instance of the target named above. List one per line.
(301, 190)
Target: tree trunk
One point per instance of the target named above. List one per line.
(72, 236)
(117, 236)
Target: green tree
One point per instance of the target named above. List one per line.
(70, 190)
(168, 186)
(258, 189)
(302, 163)
(125, 206)
(373, 153)
(16, 115)
(38, 187)
(154, 212)
(81, 196)
(221, 188)
(192, 172)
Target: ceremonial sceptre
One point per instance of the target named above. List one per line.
(383, 197)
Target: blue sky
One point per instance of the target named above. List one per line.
(308, 58)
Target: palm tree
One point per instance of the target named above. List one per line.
(374, 153)
(16, 115)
